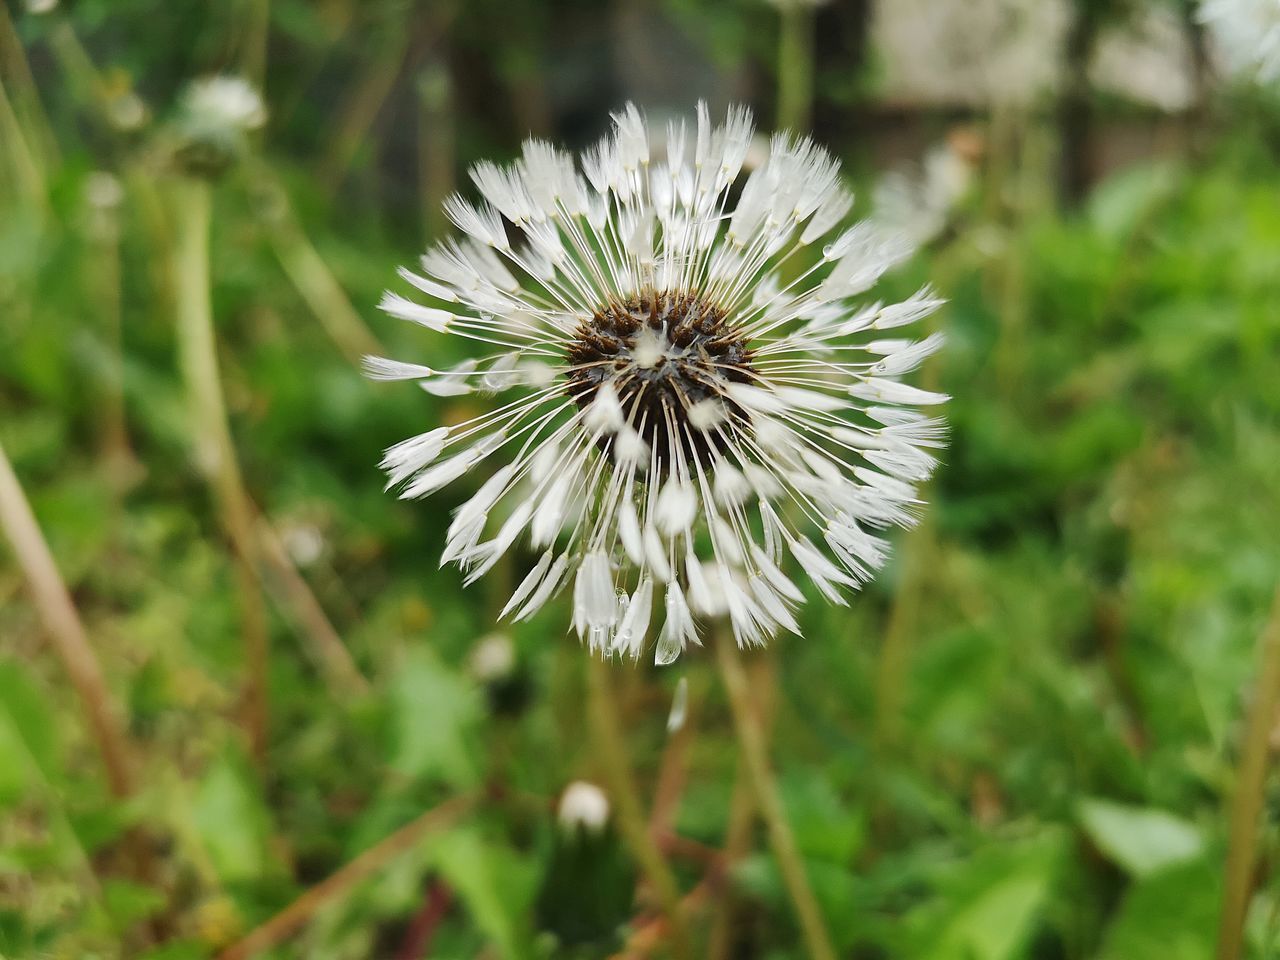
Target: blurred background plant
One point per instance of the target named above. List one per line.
(241, 712)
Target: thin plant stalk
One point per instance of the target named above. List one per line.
(1249, 795)
(215, 452)
(25, 166)
(437, 143)
(755, 759)
(326, 645)
(891, 664)
(104, 271)
(612, 752)
(257, 34)
(337, 885)
(16, 75)
(795, 66)
(742, 807)
(362, 106)
(62, 623)
(312, 277)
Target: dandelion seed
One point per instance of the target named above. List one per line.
(690, 398)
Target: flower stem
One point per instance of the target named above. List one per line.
(70, 642)
(755, 759)
(612, 752)
(1247, 800)
(795, 67)
(310, 274)
(215, 453)
(742, 808)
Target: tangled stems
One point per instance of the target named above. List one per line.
(755, 758)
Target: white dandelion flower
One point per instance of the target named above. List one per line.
(693, 400)
(225, 103)
(1248, 34)
(215, 117)
(583, 807)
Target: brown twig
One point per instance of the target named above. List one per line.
(62, 622)
(333, 887)
(422, 929)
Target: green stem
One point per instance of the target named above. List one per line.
(612, 751)
(795, 67)
(751, 741)
(215, 452)
(742, 809)
(1247, 801)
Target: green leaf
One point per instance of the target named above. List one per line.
(232, 823)
(1172, 915)
(129, 902)
(28, 732)
(493, 881)
(825, 827)
(1142, 840)
(987, 909)
(434, 710)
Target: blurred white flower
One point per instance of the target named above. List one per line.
(214, 118)
(492, 658)
(920, 202)
(41, 6)
(976, 52)
(102, 190)
(698, 388)
(583, 806)
(224, 103)
(1145, 60)
(1247, 33)
(303, 542)
(126, 111)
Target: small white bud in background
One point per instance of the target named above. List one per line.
(583, 806)
(493, 658)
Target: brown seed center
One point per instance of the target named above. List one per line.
(663, 352)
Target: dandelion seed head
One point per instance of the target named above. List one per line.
(692, 397)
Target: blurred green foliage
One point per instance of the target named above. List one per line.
(1065, 643)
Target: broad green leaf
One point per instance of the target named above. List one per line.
(987, 909)
(434, 710)
(493, 882)
(32, 730)
(232, 823)
(1172, 915)
(826, 828)
(1142, 840)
